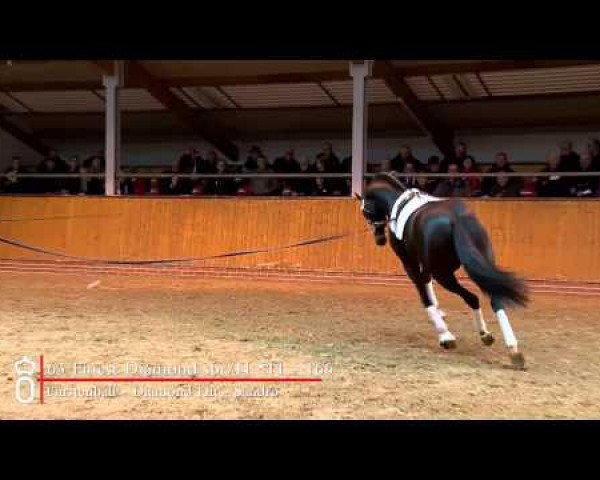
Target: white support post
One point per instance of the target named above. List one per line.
(359, 71)
(112, 84)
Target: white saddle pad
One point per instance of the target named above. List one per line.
(398, 219)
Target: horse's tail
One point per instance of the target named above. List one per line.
(470, 239)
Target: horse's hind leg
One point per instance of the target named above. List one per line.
(510, 339)
(431, 292)
(450, 283)
(446, 339)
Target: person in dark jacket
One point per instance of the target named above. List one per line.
(405, 156)
(585, 186)
(501, 165)
(554, 185)
(304, 186)
(221, 186)
(73, 185)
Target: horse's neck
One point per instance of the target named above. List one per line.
(387, 198)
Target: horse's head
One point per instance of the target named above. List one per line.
(377, 201)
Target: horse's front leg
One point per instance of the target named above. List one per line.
(445, 337)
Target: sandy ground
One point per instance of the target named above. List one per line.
(384, 358)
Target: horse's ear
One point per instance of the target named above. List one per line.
(357, 196)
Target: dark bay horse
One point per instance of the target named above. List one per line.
(434, 242)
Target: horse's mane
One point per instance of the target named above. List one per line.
(390, 179)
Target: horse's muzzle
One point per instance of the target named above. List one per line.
(379, 234)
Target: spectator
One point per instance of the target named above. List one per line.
(11, 183)
(472, 184)
(405, 156)
(409, 181)
(51, 164)
(212, 160)
(529, 187)
(501, 165)
(593, 150)
(251, 163)
(452, 186)
(263, 185)
(221, 186)
(154, 187)
(458, 156)
(304, 186)
(424, 185)
(569, 160)
(433, 166)
(329, 158)
(555, 185)
(73, 185)
(245, 189)
(503, 187)
(585, 186)
(287, 163)
(385, 166)
(94, 185)
(322, 186)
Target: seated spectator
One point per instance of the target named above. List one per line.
(385, 166)
(201, 165)
(405, 156)
(472, 184)
(211, 161)
(52, 164)
(569, 160)
(244, 188)
(555, 185)
(11, 183)
(329, 158)
(503, 187)
(186, 162)
(459, 156)
(409, 181)
(286, 164)
(251, 162)
(452, 186)
(424, 185)
(322, 186)
(154, 187)
(501, 165)
(304, 186)
(221, 186)
(199, 188)
(73, 186)
(585, 186)
(433, 166)
(593, 150)
(528, 187)
(263, 185)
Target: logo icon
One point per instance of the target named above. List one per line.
(25, 386)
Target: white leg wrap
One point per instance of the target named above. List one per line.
(432, 298)
(507, 331)
(431, 294)
(436, 319)
(479, 322)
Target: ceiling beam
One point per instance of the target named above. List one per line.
(441, 135)
(136, 73)
(479, 66)
(444, 68)
(24, 137)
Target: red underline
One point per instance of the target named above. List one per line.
(178, 379)
(41, 379)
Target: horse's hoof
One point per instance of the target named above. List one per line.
(517, 360)
(448, 344)
(487, 338)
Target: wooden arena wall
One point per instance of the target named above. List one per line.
(551, 240)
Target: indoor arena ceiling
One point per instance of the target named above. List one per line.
(43, 100)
